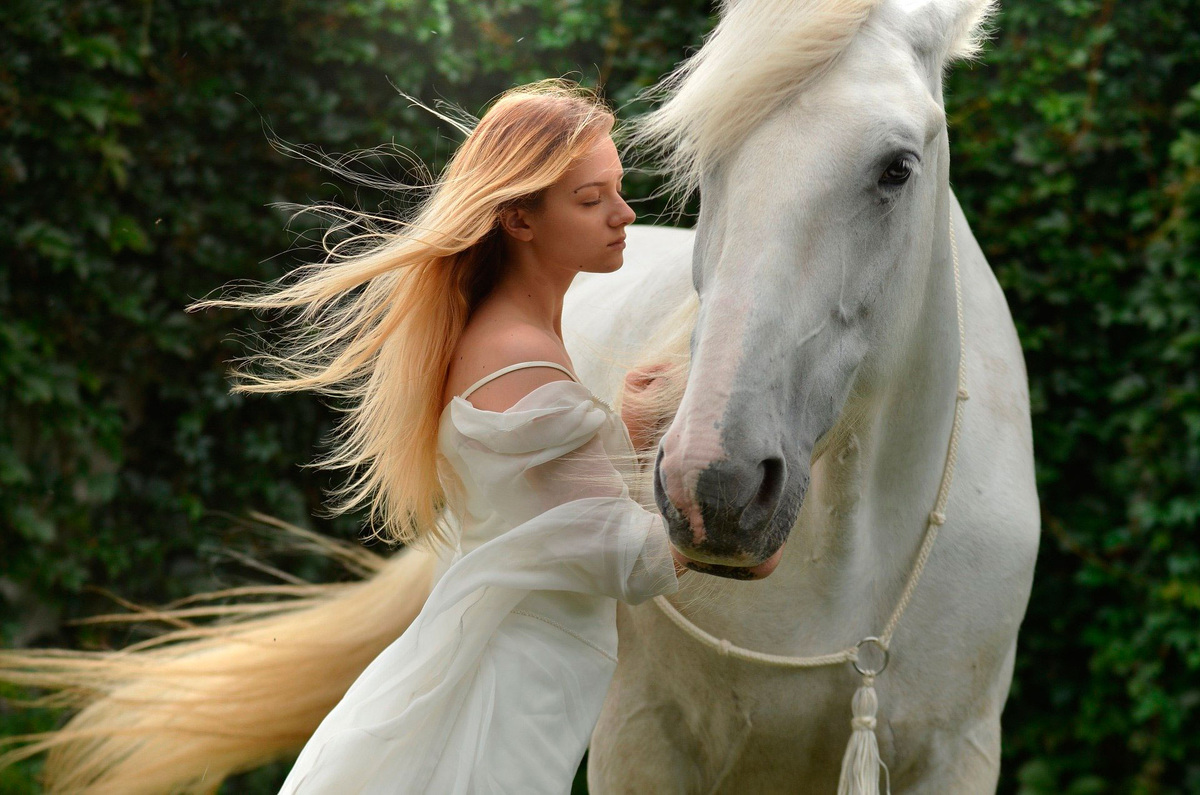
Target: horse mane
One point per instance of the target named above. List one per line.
(760, 53)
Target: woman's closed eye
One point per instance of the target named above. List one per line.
(597, 201)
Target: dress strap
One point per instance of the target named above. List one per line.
(510, 368)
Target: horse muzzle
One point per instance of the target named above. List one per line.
(733, 572)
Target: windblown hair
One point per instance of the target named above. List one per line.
(228, 688)
(379, 317)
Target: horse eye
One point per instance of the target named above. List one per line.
(897, 173)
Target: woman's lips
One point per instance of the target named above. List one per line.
(756, 572)
(618, 244)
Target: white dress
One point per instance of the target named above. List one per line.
(498, 683)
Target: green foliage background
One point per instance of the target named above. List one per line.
(135, 173)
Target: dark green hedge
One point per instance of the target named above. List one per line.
(136, 170)
(1077, 156)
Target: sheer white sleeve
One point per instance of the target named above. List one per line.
(547, 473)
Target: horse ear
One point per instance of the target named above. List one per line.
(948, 30)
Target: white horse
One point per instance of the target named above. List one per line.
(817, 411)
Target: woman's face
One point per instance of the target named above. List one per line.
(580, 224)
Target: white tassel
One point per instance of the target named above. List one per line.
(860, 765)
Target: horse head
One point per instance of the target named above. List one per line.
(820, 153)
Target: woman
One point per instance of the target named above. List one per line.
(498, 683)
(443, 335)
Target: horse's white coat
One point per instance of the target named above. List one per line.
(821, 309)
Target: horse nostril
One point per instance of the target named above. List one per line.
(665, 506)
(760, 509)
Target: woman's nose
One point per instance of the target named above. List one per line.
(625, 214)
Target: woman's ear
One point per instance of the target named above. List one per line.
(515, 222)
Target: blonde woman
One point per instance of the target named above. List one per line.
(447, 337)
(466, 435)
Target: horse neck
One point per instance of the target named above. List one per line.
(870, 494)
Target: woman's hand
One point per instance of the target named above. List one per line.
(641, 420)
(635, 411)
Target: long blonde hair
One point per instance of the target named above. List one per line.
(381, 315)
(231, 686)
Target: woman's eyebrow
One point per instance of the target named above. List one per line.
(600, 182)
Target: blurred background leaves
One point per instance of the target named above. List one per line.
(136, 172)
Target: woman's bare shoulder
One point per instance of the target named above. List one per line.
(489, 344)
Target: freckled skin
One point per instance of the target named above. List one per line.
(575, 229)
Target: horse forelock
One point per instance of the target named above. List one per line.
(759, 53)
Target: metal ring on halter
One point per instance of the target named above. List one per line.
(882, 648)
